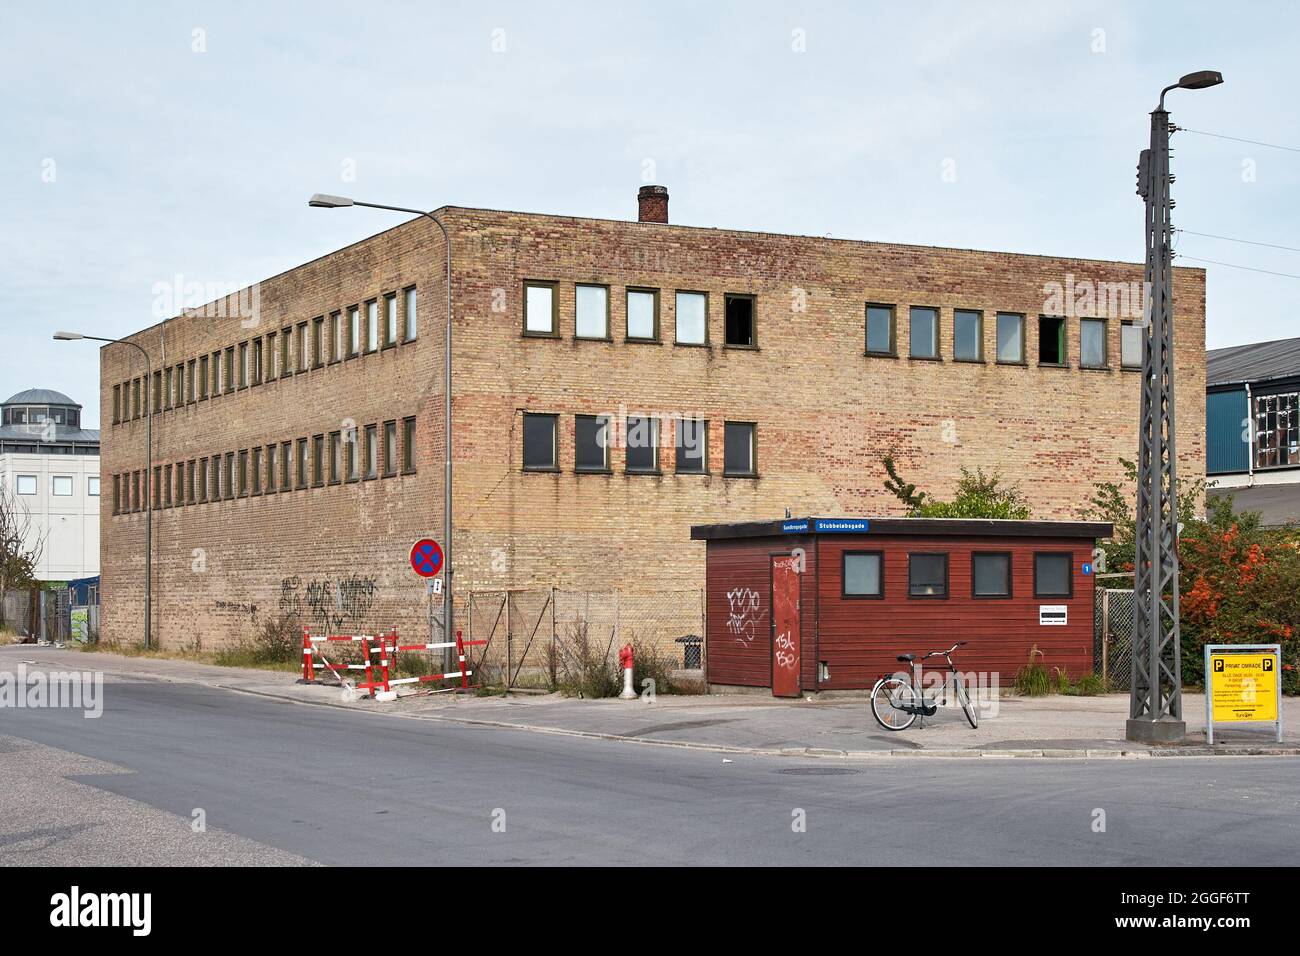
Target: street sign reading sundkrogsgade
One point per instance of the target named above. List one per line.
(1243, 686)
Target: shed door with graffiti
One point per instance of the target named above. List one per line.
(785, 626)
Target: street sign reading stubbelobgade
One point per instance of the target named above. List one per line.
(1243, 684)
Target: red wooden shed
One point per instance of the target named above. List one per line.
(809, 604)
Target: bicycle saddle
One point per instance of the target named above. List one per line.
(906, 657)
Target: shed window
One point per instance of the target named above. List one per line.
(739, 310)
(924, 333)
(927, 575)
(539, 441)
(1051, 340)
(991, 574)
(1052, 576)
(863, 574)
(590, 444)
(1277, 430)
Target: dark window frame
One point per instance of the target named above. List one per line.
(1131, 323)
(603, 469)
(408, 445)
(1105, 343)
(678, 445)
(555, 442)
(677, 339)
(554, 287)
(609, 318)
(1069, 576)
(979, 358)
(844, 577)
(1062, 338)
(627, 331)
(938, 334)
(893, 330)
(654, 468)
(1010, 592)
(947, 576)
(753, 450)
(1024, 339)
(727, 299)
(390, 466)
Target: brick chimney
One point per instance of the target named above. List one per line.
(652, 203)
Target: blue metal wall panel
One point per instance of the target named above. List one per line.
(1225, 423)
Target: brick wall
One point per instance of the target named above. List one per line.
(825, 413)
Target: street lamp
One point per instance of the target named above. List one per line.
(148, 469)
(1156, 698)
(325, 201)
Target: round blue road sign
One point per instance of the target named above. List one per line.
(426, 557)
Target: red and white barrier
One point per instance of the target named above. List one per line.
(380, 651)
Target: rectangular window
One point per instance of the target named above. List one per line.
(1277, 430)
(203, 479)
(230, 369)
(136, 397)
(1051, 340)
(390, 320)
(880, 329)
(304, 347)
(642, 444)
(541, 309)
(990, 574)
(739, 456)
(317, 461)
(203, 377)
(590, 443)
(1052, 574)
(410, 315)
(318, 341)
(372, 326)
(591, 311)
(924, 332)
(301, 464)
(739, 321)
(539, 441)
(117, 404)
(92, 486)
(390, 449)
(692, 446)
(338, 336)
(241, 484)
(372, 451)
(286, 351)
(190, 468)
(351, 453)
(218, 482)
(692, 318)
(1011, 338)
(272, 357)
(257, 362)
(643, 314)
(180, 484)
(180, 384)
(408, 446)
(927, 575)
(255, 468)
(967, 335)
(167, 486)
(167, 395)
(354, 332)
(230, 474)
(157, 487)
(1132, 337)
(61, 485)
(272, 468)
(336, 457)
(245, 368)
(117, 494)
(286, 465)
(192, 380)
(863, 574)
(215, 368)
(1092, 343)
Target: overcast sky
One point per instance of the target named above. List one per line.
(141, 142)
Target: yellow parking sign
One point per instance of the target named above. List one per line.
(1242, 684)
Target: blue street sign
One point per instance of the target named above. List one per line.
(841, 525)
(1087, 567)
(795, 527)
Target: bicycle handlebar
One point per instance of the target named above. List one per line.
(945, 653)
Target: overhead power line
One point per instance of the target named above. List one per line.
(1232, 265)
(1249, 242)
(1238, 139)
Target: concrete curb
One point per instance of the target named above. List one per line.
(972, 753)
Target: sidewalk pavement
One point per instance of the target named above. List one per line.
(1052, 726)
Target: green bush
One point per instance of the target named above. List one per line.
(586, 669)
(1033, 679)
(277, 643)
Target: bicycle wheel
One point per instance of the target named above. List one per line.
(966, 705)
(888, 699)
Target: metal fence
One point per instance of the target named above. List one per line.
(1114, 625)
(48, 615)
(535, 631)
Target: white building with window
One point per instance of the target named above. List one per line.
(50, 466)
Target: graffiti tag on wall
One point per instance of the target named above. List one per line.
(742, 616)
(329, 602)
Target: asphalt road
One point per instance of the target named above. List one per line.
(288, 783)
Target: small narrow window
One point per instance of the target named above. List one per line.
(590, 443)
(372, 325)
(302, 464)
(408, 446)
(541, 309)
(255, 469)
(203, 377)
(1052, 574)
(880, 329)
(242, 481)
(117, 494)
(390, 320)
(304, 348)
(692, 312)
(410, 315)
(336, 457)
(318, 342)
(272, 468)
(1011, 338)
(166, 486)
(352, 454)
(967, 335)
(539, 441)
(257, 361)
(338, 337)
(317, 460)
(642, 444)
(738, 454)
(643, 315)
(203, 479)
(372, 451)
(354, 332)
(61, 485)
(739, 317)
(230, 474)
(117, 405)
(244, 376)
(286, 351)
(92, 485)
(230, 370)
(271, 361)
(924, 332)
(591, 307)
(190, 491)
(927, 575)
(192, 379)
(1132, 338)
(692, 442)
(390, 449)
(1051, 340)
(990, 574)
(1092, 343)
(863, 574)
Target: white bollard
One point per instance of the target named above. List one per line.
(625, 659)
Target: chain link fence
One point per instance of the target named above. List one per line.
(1113, 628)
(535, 632)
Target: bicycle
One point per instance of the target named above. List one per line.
(896, 701)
